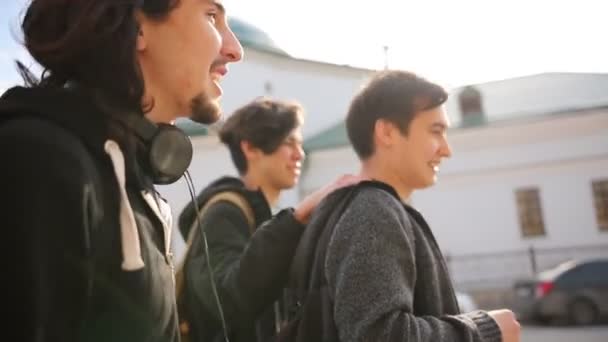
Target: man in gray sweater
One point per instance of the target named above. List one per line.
(384, 275)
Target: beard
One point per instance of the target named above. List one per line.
(204, 109)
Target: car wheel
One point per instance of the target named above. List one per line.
(583, 312)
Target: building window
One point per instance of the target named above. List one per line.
(470, 102)
(471, 106)
(530, 212)
(600, 198)
(268, 88)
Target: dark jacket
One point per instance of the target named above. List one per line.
(250, 270)
(78, 273)
(385, 275)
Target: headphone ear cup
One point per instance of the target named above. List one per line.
(170, 153)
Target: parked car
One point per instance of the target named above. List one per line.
(575, 290)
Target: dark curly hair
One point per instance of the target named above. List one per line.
(91, 43)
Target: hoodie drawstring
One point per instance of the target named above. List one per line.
(131, 250)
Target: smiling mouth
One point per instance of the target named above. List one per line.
(295, 170)
(219, 71)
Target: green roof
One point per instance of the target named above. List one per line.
(336, 135)
(192, 128)
(251, 36)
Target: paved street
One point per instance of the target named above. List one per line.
(564, 334)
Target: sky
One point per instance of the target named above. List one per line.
(454, 42)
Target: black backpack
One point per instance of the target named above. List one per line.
(310, 317)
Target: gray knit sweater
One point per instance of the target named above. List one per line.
(388, 280)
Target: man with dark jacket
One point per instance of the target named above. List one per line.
(249, 261)
(81, 151)
(381, 275)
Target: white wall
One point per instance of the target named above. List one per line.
(479, 214)
(558, 154)
(324, 90)
(472, 208)
(541, 93)
(323, 166)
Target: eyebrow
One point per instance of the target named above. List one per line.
(439, 125)
(294, 139)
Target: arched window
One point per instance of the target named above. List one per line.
(470, 102)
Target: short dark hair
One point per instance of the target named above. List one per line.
(265, 123)
(395, 96)
(90, 42)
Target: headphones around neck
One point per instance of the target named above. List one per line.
(168, 148)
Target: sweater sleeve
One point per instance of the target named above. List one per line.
(250, 272)
(371, 272)
(44, 188)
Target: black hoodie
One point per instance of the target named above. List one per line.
(250, 270)
(91, 259)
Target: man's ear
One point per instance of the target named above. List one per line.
(141, 44)
(251, 152)
(384, 132)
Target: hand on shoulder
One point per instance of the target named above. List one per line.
(304, 209)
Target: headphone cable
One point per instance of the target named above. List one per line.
(206, 247)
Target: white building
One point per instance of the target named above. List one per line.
(526, 159)
(542, 139)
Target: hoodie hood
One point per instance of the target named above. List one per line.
(75, 110)
(72, 109)
(256, 199)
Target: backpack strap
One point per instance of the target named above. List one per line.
(311, 306)
(310, 313)
(226, 196)
(317, 272)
